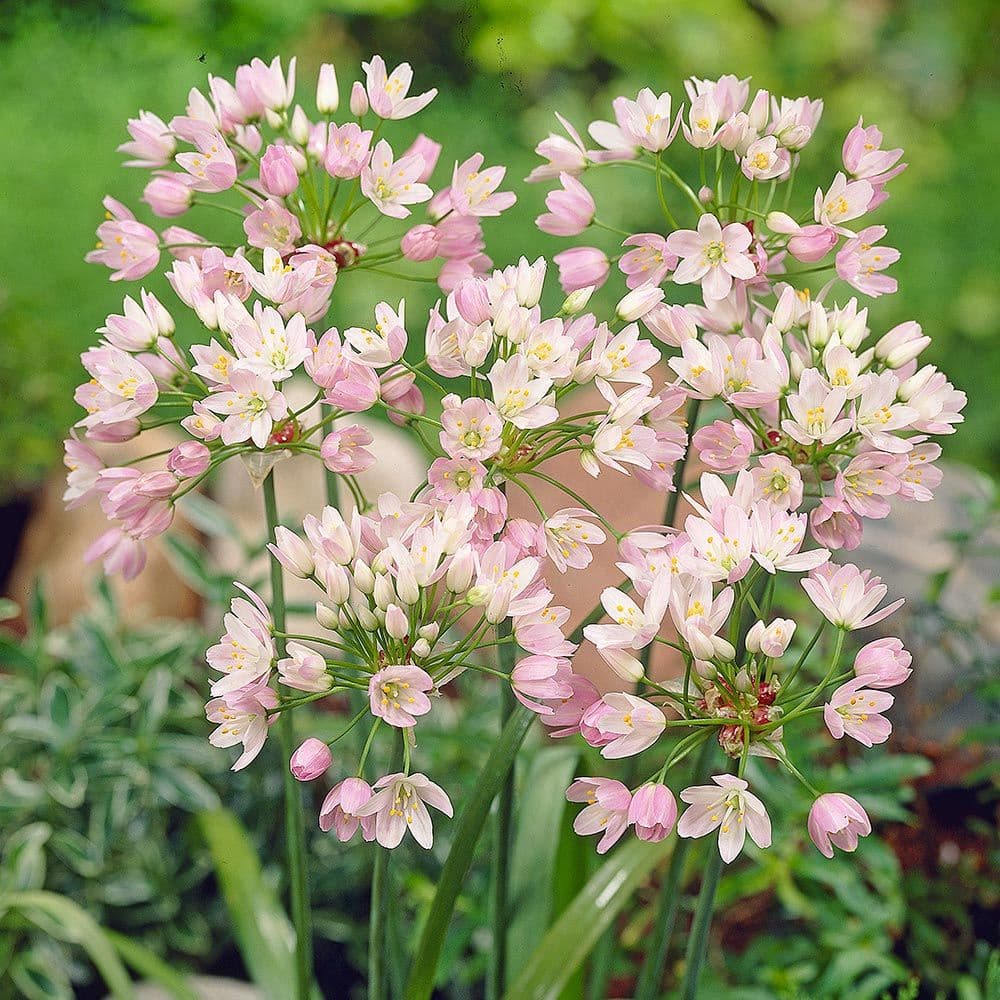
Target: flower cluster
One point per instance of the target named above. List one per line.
(822, 424)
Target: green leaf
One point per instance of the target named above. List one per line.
(571, 938)
(150, 966)
(540, 809)
(208, 517)
(263, 931)
(24, 858)
(62, 919)
(467, 830)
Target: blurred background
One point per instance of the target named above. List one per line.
(926, 72)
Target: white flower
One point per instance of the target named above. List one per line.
(728, 807)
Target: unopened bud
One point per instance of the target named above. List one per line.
(577, 301)
(421, 648)
(430, 632)
(311, 760)
(395, 622)
(384, 592)
(359, 100)
(327, 91)
(364, 578)
(327, 617)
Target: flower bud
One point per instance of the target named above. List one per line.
(653, 812)
(327, 91)
(395, 622)
(364, 578)
(577, 301)
(430, 631)
(723, 650)
(311, 760)
(743, 682)
(292, 552)
(623, 663)
(771, 640)
(366, 619)
(168, 195)
(299, 128)
(706, 195)
(189, 459)
(327, 617)
(638, 302)
(796, 366)
(706, 669)
(818, 330)
(359, 100)
(459, 577)
(338, 584)
(421, 648)
(278, 175)
(383, 592)
(903, 343)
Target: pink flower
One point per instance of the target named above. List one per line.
(153, 145)
(816, 410)
(724, 447)
(520, 398)
(582, 267)
(387, 91)
(712, 255)
(570, 210)
(189, 459)
(213, 167)
(264, 87)
(834, 524)
(837, 820)
(847, 596)
(567, 712)
(84, 466)
(859, 262)
(246, 650)
(624, 724)
(386, 343)
(764, 159)
(129, 248)
(339, 810)
(646, 120)
(168, 194)
(141, 326)
(864, 156)
(471, 428)
(856, 711)
(242, 718)
(398, 694)
(653, 812)
(902, 344)
(303, 669)
(120, 553)
(347, 148)
(920, 477)
(265, 344)
(883, 663)
(608, 803)
(311, 760)
(121, 387)
(728, 807)
(420, 243)
(878, 412)
(777, 481)
(563, 155)
(537, 678)
(649, 263)
(866, 482)
(399, 806)
(344, 450)
(568, 538)
(278, 175)
(771, 640)
(391, 184)
(272, 225)
(846, 200)
(474, 190)
(250, 405)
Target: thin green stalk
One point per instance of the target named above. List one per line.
(381, 901)
(691, 418)
(503, 821)
(295, 837)
(694, 959)
(648, 987)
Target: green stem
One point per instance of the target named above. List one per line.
(694, 958)
(295, 837)
(692, 419)
(381, 900)
(503, 821)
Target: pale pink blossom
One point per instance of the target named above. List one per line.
(339, 810)
(843, 202)
(866, 481)
(169, 194)
(777, 481)
(249, 407)
(303, 669)
(130, 248)
(653, 812)
(816, 411)
(837, 820)
(311, 760)
(399, 806)
(847, 596)
(202, 423)
(278, 175)
(938, 404)
(864, 157)
(724, 447)
(474, 190)
(213, 167)
(385, 344)
(391, 184)
(387, 92)
(764, 159)
(634, 627)
(646, 120)
(262, 86)
(242, 718)
(563, 155)
(918, 476)
(883, 663)
(500, 582)
(834, 524)
(520, 398)
(119, 552)
(569, 535)
(860, 261)
(538, 678)
(398, 694)
(777, 537)
(856, 711)
(152, 143)
(272, 225)
(581, 267)
(84, 466)
(726, 806)
(189, 459)
(720, 548)
(246, 650)
(878, 413)
(141, 325)
(698, 616)
(771, 640)
(648, 263)
(567, 712)
(541, 631)
(344, 450)
(606, 813)
(570, 210)
(713, 255)
(347, 150)
(121, 388)
(266, 345)
(470, 428)
(700, 129)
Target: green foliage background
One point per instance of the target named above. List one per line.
(923, 70)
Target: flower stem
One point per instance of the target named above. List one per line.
(503, 821)
(694, 958)
(295, 837)
(381, 900)
(691, 418)
(648, 987)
